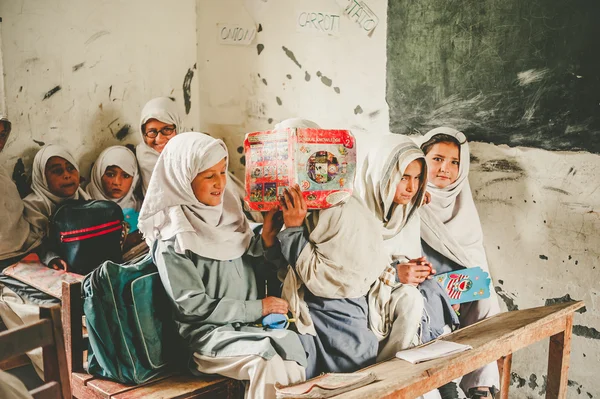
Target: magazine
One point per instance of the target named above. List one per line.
(465, 285)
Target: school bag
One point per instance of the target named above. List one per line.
(131, 333)
(87, 233)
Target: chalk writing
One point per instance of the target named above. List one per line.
(235, 34)
(360, 13)
(321, 22)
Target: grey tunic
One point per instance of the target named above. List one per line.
(215, 304)
(343, 343)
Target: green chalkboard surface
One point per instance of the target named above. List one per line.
(517, 72)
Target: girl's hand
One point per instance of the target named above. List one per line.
(293, 206)
(273, 222)
(426, 198)
(58, 264)
(272, 304)
(415, 271)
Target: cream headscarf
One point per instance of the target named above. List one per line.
(450, 223)
(40, 204)
(378, 176)
(18, 237)
(171, 209)
(123, 158)
(164, 110)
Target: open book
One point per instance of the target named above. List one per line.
(325, 386)
(431, 351)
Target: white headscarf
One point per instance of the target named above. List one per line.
(171, 209)
(18, 237)
(378, 175)
(40, 204)
(164, 110)
(296, 123)
(122, 157)
(450, 223)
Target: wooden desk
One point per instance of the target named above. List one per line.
(492, 339)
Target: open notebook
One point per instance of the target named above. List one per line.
(325, 386)
(431, 351)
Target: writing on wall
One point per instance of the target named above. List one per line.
(235, 34)
(359, 12)
(319, 22)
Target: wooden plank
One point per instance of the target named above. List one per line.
(179, 386)
(72, 311)
(107, 388)
(558, 362)
(14, 362)
(505, 376)
(54, 356)
(497, 336)
(47, 391)
(24, 338)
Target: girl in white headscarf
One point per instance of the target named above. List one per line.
(159, 123)
(18, 236)
(391, 180)
(206, 256)
(451, 231)
(331, 259)
(55, 179)
(114, 177)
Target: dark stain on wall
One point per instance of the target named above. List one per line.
(543, 257)
(506, 297)
(123, 132)
(259, 48)
(532, 381)
(358, 110)
(264, 81)
(291, 56)
(336, 89)
(78, 67)
(51, 92)
(243, 160)
(517, 380)
(563, 299)
(558, 190)
(279, 102)
(512, 72)
(187, 89)
(172, 99)
(307, 76)
(109, 91)
(288, 76)
(270, 120)
(501, 165)
(324, 79)
(259, 28)
(586, 332)
(240, 149)
(40, 143)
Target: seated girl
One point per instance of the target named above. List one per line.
(115, 177)
(332, 258)
(159, 123)
(206, 256)
(55, 179)
(18, 236)
(451, 233)
(391, 180)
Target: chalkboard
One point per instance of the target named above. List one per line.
(517, 72)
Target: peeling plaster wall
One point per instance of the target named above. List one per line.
(335, 81)
(79, 72)
(540, 210)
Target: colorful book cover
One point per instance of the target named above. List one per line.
(322, 162)
(466, 285)
(131, 217)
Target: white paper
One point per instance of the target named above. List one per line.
(434, 350)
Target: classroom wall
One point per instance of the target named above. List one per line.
(540, 209)
(79, 72)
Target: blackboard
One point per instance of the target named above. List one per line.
(517, 72)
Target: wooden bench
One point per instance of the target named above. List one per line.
(492, 339)
(47, 334)
(171, 385)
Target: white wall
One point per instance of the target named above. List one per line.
(127, 52)
(533, 203)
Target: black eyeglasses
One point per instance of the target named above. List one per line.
(165, 131)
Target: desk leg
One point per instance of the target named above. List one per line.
(558, 362)
(505, 364)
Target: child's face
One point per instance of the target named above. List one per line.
(409, 184)
(443, 161)
(116, 182)
(62, 177)
(209, 185)
(157, 134)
